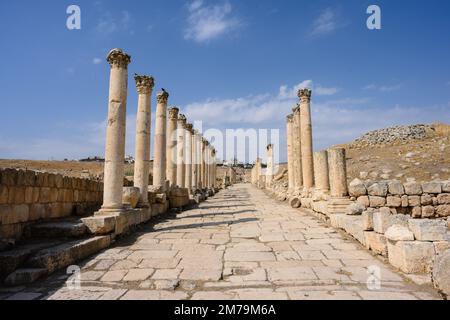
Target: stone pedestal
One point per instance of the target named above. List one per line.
(144, 86)
(181, 134)
(159, 159)
(171, 149)
(115, 132)
(306, 138)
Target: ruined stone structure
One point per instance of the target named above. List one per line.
(171, 166)
(159, 159)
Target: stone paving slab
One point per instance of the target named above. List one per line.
(239, 244)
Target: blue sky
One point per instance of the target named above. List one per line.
(232, 64)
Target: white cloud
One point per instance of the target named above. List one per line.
(97, 61)
(109, 23)
(327, 22)
(384, 88)
(206, 22)
(286, 93)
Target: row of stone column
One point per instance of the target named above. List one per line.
(181, 155)
(326, 170)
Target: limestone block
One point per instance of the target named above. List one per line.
(428, 230)
(39, 211)
(413, 188)
(441, 246)
(24, 276)
(416, 212)
(44, 195)
(381, 220)
(18, 194)
(42, 179)
(376, 242)
(9, 177)
(12, 214)
(443, 198)
(160, 198)
(394, 201)
(398, 232)
(432, 187)
(357, 188)
(336, 220)
(364, 200)
(58, 181)
(100, 224)
(426, 200)
(295, 202)
(404, 201)
(130, 196)
(411, 256)
(446, 186)
(378, 189)
(376, 202)
(413, 201)
(427, 212)
(367, 220)
(396, 188)
(400, 219)
(441, 272)
(443, 210)
(355, 209)
(354, 226)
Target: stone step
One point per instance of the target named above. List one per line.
(58, 229)
(14, 258)
(24, 276)
(68, 253)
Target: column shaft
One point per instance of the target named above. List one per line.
(269, 173)
(298, 172)
(338, 172)
(172, 146)
(188, 157)
(181, 169)
(115, 132)
(144, 85)
(159, 158)
(306, 138)
(321, 175)
(290, 153)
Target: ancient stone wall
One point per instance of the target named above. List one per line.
(27, 196)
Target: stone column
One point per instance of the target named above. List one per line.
(194, 160)
(159, 158)
(214, 168)
(181, 134)
(188, 157)
(144, 86)
(198, 142)
(269, 173)
(322, 180)
(115, 132)
(306, 138)
(338, 172)
(172, 146)
(290, 153)
(202, 163)
(296, 148)
(208, 165)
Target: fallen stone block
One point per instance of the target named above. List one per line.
(100, 225)
(428, 230)
(130, 196)
(411, 256)
(295, 202)
(355, 209)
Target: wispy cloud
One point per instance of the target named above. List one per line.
(109, 23)
(327, 22)
(207, 22)
(384, 88)
(97, 61)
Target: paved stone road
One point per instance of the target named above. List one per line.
(241, 244)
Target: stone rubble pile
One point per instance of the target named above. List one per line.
(394, 134)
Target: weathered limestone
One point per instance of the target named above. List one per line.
(269, 171)
(203, 163)
(296, 143)
(198, 140)
(172, 146)
(181, 134)
(188, 157)
(115, 132)
(290, 151)
(338, 172)
(144, 86)
(306, 138)
(159, 158)
(321, 175)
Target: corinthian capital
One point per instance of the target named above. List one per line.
(119, 59)
(173, 113)
(162, 97)
(182, 119)
(296, 109)
(304, 94)
(144, 84)
(290, 118)
(189, 127)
